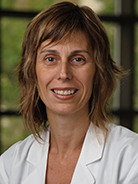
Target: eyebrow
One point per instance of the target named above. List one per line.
(56, 52)
(49, 51)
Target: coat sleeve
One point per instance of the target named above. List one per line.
(6, 163)
(127, 158)
(120, 158)
(3, 173)
(132, 174)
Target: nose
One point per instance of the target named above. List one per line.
(65, 72)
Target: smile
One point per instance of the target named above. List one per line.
(64, 92)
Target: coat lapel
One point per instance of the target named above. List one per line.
(91, 152)
(37, 159)
(85, 169)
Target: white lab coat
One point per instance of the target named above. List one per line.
(110, 161)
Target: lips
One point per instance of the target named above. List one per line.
(65, 92)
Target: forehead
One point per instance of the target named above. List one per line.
(76, 40)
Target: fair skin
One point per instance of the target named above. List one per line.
(65, 73)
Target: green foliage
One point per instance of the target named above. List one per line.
(12, 31)
(108, 7)
(26, 5)
(136, 6)
(110, 29)
(12, 131)
(6, 4)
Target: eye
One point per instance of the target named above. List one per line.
(50, 59)
(78, 59)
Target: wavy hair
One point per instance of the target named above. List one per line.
(55, 23)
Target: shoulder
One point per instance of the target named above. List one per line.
(23, 147)
(120, 134)
(18, 155)
(19, 148)
(121, 153)
(13, 155)
(121, 139)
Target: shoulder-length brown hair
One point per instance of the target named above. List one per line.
(55, 23)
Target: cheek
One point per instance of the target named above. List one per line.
(87, 78)
(44, 80)
(42, 74)
(42, 86)
(41, 80)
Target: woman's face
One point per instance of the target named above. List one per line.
(65, 73)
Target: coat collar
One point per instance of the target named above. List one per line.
(93, 145)
(39, 149)
(91, 152)
(37, 160)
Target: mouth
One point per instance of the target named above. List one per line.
(65, 92)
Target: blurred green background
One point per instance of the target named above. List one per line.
(12, 32)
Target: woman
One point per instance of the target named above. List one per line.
(67, 76)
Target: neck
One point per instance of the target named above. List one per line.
(67, 133)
